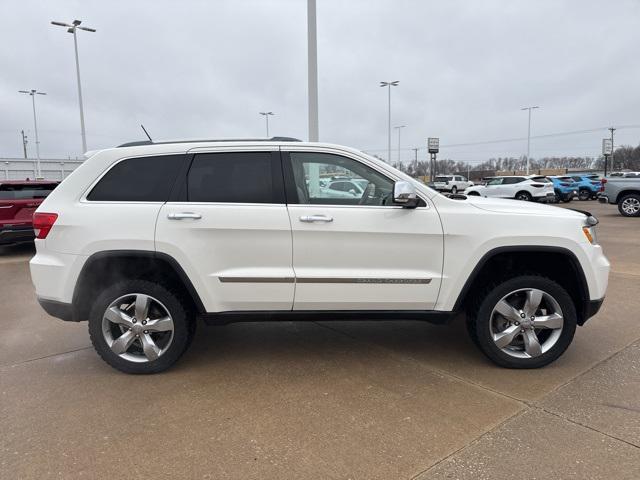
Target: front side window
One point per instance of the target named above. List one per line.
(309, 169)
(143, 179)
(235, 177)
(495, 181)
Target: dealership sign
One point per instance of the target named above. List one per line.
(607, 146)
(433, 144)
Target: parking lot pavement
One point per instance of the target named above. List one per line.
(324, 400)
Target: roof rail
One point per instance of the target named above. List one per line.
(272, 139)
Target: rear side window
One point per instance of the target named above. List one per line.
(144, 179)
(13, 191)
(236, 177)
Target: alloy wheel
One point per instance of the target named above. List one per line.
(526, 323)
(137, 327)
(631, 206)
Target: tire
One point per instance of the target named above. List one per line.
(487, 326)
(629, 205)
(150, 348)
(524, 196)
(454, 190)
(566, 198)
(584, 194)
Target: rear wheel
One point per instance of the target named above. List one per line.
(524, 196)
(584, 194)
(454, 190)
(566, 198)
(138, 326)
(523, 322)
(629, 205)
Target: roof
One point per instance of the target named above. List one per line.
(149, 142)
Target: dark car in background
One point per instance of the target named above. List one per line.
(18, 200)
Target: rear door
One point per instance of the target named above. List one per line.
(229, 229)
(360, 253)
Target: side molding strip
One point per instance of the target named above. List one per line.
(402, 281)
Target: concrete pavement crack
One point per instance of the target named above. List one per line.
(22, 362)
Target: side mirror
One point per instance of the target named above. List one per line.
(404, 193)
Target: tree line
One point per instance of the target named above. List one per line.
(625, 158)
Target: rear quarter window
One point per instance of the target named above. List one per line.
(142, 179)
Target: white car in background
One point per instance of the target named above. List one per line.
(451, 183)
(528, 188)
(353, 186)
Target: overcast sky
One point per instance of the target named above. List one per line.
(204, 69)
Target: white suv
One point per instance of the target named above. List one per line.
(451, 183)
(533, 187)
(145, 239)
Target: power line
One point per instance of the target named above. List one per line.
(518, 139)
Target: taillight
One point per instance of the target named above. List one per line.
(42, 223)
(602, 182)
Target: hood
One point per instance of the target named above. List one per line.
(502, 205)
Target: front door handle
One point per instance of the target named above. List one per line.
(183, 215)
(315, 218)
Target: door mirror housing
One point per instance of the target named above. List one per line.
(404, 193)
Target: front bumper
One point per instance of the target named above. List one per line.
(63, 311)
(591, 308)
(16, 233)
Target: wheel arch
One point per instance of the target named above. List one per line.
(511, 261)
(104, 268)
(624, 193)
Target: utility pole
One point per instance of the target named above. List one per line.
(528, 135)
(312, 75)
(613, 156)
(24, 143)
(415, 151)
(72, 29)
(389, 85)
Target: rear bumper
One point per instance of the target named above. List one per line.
(604, 199)
(63, 311)
(15, 234)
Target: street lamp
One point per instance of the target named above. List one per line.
(72, 29)
(399, 128)
(266, 117)
(312, 71)
(389, 85)
(528, 135)
(33, 94)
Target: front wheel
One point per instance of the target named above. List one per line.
(138, 326)
(629, 205)
(523, 322)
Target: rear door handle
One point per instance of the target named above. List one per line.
(315, 218)
(183, 215)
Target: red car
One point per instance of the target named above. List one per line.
(18, 200)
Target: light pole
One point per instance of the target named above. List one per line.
(528, 135)
(33, 94)
(266, 117)
(72, 29)
(312, 74)
(399, 128)
(389, 85)
(613, 157)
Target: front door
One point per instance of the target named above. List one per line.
(230, 231)
(358, 253)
